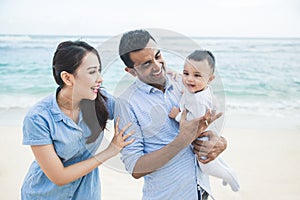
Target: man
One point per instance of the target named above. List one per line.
(162, 152)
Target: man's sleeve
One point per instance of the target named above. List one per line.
(131, 153)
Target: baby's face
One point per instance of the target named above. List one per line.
(196, 75)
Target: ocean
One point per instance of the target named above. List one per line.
(254, 75)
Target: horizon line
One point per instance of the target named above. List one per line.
(192, 36)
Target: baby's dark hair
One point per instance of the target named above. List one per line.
(200, 55)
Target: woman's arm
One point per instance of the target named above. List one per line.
(52, 166)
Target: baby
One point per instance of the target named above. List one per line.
(198, 72)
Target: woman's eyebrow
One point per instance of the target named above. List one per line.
(92, 67)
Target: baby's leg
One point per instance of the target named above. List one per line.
(218, 168)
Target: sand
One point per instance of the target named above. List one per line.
(264, 152)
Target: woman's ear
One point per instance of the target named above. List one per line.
(67, 78)
(130, 71)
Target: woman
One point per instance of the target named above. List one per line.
(65, 129)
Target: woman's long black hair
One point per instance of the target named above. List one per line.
(68, 57)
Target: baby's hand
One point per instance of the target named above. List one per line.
(174, 112)
(174, 75)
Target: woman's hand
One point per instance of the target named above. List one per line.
(118, 142)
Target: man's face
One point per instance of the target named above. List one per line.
(149, 65)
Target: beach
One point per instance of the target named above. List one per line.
(257, 81)
(263, 150)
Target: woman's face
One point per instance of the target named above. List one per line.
(87, 78)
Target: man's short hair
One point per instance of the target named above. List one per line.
(133, 41)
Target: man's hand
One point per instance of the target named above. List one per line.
(211, 148)
(204, 121)
(192, 129)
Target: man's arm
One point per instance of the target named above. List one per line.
(189, 131)
(140, 164)
(156, 159)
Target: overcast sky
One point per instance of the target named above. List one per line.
(241, 18)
